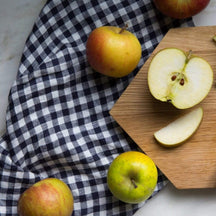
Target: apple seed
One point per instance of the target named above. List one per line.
(181, 82)
(173, 77)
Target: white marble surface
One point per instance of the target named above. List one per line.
(16, 20)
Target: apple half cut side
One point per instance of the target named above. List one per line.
(181, 129)
(179, 78)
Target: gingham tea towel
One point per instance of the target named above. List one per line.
(58, 122)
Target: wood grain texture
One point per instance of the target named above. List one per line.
(192, 164)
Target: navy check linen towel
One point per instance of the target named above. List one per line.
(58, 122)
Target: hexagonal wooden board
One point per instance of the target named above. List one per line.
(193, 164)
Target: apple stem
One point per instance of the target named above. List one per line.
(134, 183)
(124, 28)
(188, 56)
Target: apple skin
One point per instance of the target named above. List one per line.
(113, 52)
(180, 9)
(132, 177)
(48, 197)
(214, 38)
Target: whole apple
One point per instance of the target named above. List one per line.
(132, 177)
(48, 197)
(113, 51)
(214, 38)
(181, 9)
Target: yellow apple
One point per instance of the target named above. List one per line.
(132, 177)
(48, 197)
(113, 51)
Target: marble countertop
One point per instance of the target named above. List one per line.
(16, 21)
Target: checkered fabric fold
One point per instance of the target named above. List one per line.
(58, 122)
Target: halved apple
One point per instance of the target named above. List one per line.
(179, 78)
(181, 129)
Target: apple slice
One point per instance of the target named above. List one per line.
(181, 129)
(179, 78)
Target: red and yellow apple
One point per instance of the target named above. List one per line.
(48, 197)
(181, 9)
(132, 177)
(113, 51)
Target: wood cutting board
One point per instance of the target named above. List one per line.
(192, 164)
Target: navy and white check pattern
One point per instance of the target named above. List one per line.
(58, 122)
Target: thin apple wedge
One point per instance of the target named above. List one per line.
(181, 129)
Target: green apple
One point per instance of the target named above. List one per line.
(179, 78)
(48, 197)
(132, 177)
(214, 38)
(181, 9)
(178, 131)
(113, 51)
